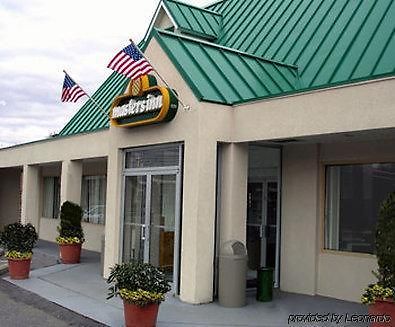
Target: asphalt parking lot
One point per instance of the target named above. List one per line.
(20, 308)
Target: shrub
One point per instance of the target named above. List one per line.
(384, 289)
(70, 224)
(138, 283)
(18, 240)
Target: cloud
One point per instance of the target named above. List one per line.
(40, 38)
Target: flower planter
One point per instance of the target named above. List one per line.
(19, 268)
(136, 316)
(70, 253)
(383, 308)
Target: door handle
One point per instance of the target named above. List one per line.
(143, 232)
(264, 231)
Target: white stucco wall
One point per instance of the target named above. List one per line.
(359, 107)
(71, 185)
(80, 146)
(356, 269)
(344, 276)
(93, 233)
(305, 266)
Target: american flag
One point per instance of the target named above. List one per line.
(130, 62)
(71, 91)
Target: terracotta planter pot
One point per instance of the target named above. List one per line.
(136, 316)
(70, 253)
(383, 308)
(19, 269)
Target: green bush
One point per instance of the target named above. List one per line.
(70, 221)
(18, 237)
(384, 289)
(138, 283)
(385, 242)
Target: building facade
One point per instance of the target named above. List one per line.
(286, 145)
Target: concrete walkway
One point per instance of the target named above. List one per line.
(80, 288)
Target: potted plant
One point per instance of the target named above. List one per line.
(19, 241)
(381, 296)
(71, 235)
(142, 287)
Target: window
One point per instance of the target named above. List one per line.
(51, 197)
(353, 197)
(93, 199)
(163, 156)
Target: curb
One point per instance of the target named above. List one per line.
(3, 267)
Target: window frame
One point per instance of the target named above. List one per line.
(92, 176)
(42, 205)
(322, 165)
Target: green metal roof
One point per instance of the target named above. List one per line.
(224, 75)
(193, 20)
(89, 117)
(331, 41)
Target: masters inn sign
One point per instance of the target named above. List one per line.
(143, 103)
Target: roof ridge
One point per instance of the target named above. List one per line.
(213, 4)
(193, 6)
(218, 46)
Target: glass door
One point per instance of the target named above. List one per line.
(254, 228)
(162, 222)
(271, 223)
(150, 214)
(135, 225)
(261, 227)
(151, 207)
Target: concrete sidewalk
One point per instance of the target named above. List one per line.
(80, 288)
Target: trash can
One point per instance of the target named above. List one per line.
(232, 274)
(264, 292)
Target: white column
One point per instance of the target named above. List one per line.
(31, 190)
(299, 219)
(234, 179)
(198, 221)
(71, 178)
(113, 210)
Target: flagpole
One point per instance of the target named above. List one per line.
(186, 107)
(89, 97)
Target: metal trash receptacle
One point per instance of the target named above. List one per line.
(264, 292)
(232, 274)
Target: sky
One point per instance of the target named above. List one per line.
(40, 38)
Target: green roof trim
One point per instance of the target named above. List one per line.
(193, 20)
(90, 117)
(222, 75)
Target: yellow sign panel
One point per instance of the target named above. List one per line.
(144, 103)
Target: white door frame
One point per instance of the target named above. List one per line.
(149, 172)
